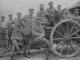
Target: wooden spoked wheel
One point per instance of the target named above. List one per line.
(65, 38)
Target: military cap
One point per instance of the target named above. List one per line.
(31, 9)
(50, 2)
(59, 5)
(18, 12)
(41, 4)
(2, 16)
(76, 10)
(10, 15)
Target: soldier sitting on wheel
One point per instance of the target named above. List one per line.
(76, 15)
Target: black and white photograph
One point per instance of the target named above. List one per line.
(39, 29)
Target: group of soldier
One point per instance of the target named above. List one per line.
(25, 27)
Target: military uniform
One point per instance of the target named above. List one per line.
(50, 10)
(3, 32)
(17, 38)
(37, 29)
(27, 22)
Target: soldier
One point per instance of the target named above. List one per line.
(19, 15)
(3, 30)
(59, 8)
(51, 9)
(17, 38)
(76, 15)
(28, 21)
(41, 13)
(10, 18)
(3, 22)
(10, 25)
(38, 29)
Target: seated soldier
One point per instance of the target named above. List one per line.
(37, 29)
(17, 38)
(76, 15)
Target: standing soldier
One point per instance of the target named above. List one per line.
(59, 8)
(10, 18)
(41, 13)
(3, 22)
(50, 13)
(10, 26)
(27, 22)
(51, 9)
(3, 28)
(58, 16)
(17, 20)
(19, 15)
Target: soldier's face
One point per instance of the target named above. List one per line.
(76, 12)
(31, 12)
(2, 19)
(41, 7)
(19, 15)
(11, 17)
(51, 4)
(59, 7)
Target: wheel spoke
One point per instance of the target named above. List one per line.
(72, 29)
(62, 50)
(60, 44)
(75, 37)
(67, 47)
(75, 43)
(58, 39)
(63, 29)
(67, 26)
(71, 46)
(75, 32)
(60, 33)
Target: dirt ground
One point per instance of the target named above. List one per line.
(40, 57)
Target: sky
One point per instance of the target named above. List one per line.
(13, 6)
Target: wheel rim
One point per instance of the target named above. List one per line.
(63, 38)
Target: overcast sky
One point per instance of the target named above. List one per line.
(12, 6)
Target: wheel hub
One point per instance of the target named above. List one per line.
(67, 37)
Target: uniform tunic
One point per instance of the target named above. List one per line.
(38, 31)
(3, 34)
(42, 14)
(50, 10)
(28, 23)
